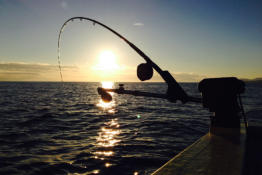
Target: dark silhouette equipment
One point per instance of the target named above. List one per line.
(219, 95)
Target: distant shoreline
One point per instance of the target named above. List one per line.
(245, 80)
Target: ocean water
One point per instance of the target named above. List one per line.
(55, 128)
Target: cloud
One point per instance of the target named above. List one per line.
(64, 5)
(188, 77)
(138, 24)
(181, 77)
(19, 71)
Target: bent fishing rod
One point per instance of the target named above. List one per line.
(144, 72)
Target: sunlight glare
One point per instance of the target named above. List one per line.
(107, 138)
(107, 61)
(108, 164)
(107, 84)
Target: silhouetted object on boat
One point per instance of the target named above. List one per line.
(220, 95)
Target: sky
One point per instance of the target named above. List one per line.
(192, 39)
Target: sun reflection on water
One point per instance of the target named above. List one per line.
(107, 136)
(108, 164)
(107, 139)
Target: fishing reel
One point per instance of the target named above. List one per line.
(144, 71)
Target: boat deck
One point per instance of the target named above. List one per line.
(253, 161)
(218, 154)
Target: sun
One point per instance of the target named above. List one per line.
(107, 61)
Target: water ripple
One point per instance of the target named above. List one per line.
(50, 128)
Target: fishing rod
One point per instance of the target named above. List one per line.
(144, 71)
(219, 95)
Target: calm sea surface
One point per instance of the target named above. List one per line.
(55, 128)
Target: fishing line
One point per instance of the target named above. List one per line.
(60, 35)
(243, 112)
(141, 53)
(171, 82)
